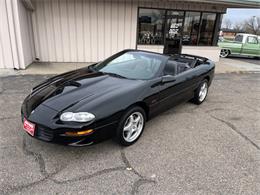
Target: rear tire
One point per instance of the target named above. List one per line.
(201, 92)
(224, 53)
(131, 126)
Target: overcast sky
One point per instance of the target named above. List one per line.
(238, 15)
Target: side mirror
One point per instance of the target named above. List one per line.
(168, 79)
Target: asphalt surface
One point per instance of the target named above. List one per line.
(213, 148)
(251, 60)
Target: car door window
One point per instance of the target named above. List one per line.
(252, 40)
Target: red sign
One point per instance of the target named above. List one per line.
(29, 127)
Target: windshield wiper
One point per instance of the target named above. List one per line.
(114, 74)
(91, 68)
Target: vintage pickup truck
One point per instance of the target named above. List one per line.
(243, 44)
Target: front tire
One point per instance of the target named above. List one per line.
(131, 126)
(201, 92)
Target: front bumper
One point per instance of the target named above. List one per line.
(100, 133)
(49, 129)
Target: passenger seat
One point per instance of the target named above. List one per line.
(181, 67)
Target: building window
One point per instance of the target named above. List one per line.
(191, 28)
(174, 21)
(207, 28)
(151, 26)
(156, 26)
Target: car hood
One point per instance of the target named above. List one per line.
(72, 89)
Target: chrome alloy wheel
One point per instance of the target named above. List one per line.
(224, 53)
(133, 126)
(203, 91)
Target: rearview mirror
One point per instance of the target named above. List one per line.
(168, 79)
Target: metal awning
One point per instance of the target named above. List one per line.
(233, 3)
(225, 3)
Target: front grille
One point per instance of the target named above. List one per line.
(44, 133)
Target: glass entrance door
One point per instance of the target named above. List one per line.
(173, 32)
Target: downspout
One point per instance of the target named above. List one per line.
(28, 4)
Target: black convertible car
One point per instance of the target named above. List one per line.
(114, 97)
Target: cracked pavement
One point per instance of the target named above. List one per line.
(213, 148)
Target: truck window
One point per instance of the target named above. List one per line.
(252, 40)
(239, 38)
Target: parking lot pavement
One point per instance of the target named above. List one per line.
(213, 148)
(251, 60)
(236, 64)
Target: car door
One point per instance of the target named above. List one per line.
(175, 87)
(251, 46)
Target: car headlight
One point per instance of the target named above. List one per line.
(77, 117)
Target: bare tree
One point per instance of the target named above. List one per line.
(252, 25)
(258, 25)
(227, 23)
(238, 27)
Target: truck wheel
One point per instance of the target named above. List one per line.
(224, 53)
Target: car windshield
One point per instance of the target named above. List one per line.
(132, 65)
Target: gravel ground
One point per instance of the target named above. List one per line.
(213, 148)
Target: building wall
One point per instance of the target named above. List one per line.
(229, 35)
(90, 30)
(152, 48)
(209, 52)
(16, 40)
(78, 30)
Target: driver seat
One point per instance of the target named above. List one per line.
(170, 68)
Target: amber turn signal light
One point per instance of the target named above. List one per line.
(80, 133)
